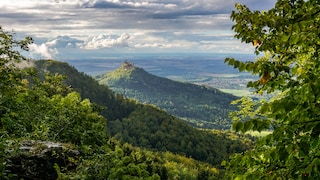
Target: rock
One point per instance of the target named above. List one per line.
(36, 160)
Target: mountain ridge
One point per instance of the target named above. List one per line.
(200, 106)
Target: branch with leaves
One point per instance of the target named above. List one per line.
(288, 38)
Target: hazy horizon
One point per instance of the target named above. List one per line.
(162, 64)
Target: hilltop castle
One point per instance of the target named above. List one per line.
(126, 65)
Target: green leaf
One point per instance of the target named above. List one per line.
(304, 146)
(294, 39)
(224, 163)
(238, 126)
(248, 125)
(285, 38)
(316, 131)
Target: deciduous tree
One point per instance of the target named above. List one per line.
(287, 36)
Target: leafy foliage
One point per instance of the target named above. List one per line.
(123, 161)
(153, 128)
(47, 109)
(288, 35)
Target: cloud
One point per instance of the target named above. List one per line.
(64, 42)
(127, 4)
(43, 16)
(25, 64)
(257, 5)
(42, 51)
(106, 41)
(162, 9)
(79, 27)
(101, 4)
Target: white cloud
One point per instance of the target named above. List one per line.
(24, 64)
(106, 41)
(42, 51)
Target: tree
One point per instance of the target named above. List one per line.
(12, 83)
(288, 37)
(9, 57)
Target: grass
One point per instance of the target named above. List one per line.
(238, 92)
(258, 134)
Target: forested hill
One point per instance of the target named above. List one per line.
(145, 125)
(200, 106)
(114, 106)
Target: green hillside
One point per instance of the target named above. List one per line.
(200, 106)
(144, 125)
(112, 106)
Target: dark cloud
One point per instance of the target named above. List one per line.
(173, 9)
(258, 5)
(129, 14)
(103, 4)
(112, 24)
(16, 18)
(64, 42)
(191, 37)
(188, 13)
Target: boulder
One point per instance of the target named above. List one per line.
(40, 160)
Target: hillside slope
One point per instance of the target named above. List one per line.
(200, 106)
(117, 106)
(144, 125)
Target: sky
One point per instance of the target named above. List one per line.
(80, 29)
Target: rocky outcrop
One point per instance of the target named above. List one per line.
(39, 160)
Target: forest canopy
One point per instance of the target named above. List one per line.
(49, 103)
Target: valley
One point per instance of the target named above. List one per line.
(148, 126)
(202, 69)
